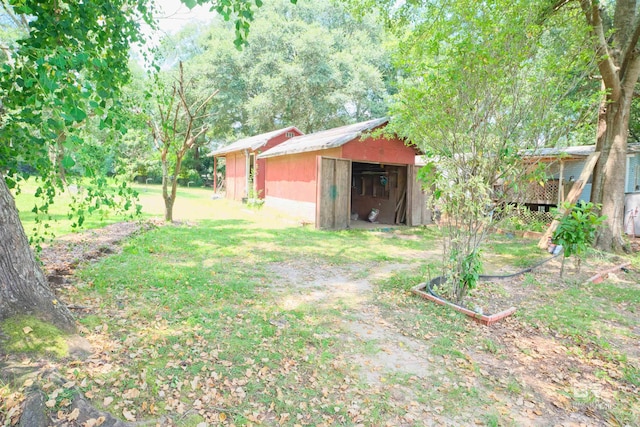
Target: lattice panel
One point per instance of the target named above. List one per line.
(529, 216)
(535, 193)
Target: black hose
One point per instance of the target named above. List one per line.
(441, 279)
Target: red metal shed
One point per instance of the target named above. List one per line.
(242, 169)
(332, 176)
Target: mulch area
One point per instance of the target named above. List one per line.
(63, 255)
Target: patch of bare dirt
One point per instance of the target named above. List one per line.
(535, 377)
(391, 351)
(64, 254)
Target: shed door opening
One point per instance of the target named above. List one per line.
(332, 198)
(381, 187)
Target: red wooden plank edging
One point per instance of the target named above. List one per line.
(599, 278)
(480, 318)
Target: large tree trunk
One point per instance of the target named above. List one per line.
(619, 64)
(609, 177)
(23, 286)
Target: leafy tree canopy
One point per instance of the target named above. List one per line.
(310, 65)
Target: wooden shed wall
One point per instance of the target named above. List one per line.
(261, 164)
(236, 175)
(293, 177)
(379, 150)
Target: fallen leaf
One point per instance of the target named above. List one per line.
(74, 415)
(561, 402)
(107, 401)
(222, 416)
(132, 393)
(128, 415)
(27, 329)
(50, 403)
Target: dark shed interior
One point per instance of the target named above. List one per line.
(382, 187)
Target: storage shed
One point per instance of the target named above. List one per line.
(332, 176)
(243, 171)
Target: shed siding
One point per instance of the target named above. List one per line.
(236, 175)
(261, 164)
(379, 150)
(293, 177)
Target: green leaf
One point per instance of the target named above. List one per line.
(77, 114)
(68, 162)
(11, 183)
(189, 3)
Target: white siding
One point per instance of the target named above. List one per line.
(633, 174)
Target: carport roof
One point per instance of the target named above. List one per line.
(323, 140)
(575, 151)
(252, 143)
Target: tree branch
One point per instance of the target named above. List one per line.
(605, 62)
(629, 51)
(155, 133)
(632, 74)
(7, 51)
(206, 101)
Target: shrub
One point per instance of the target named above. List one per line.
(577, 230)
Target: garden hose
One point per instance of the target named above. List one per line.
(431, 284)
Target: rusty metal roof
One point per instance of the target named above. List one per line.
(330, 138)
(252, 143)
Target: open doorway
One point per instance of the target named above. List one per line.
(381, 187)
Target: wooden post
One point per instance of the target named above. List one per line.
(573, 196)
(561, 184)
(215, 174)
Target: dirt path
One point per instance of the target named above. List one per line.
(537, 368)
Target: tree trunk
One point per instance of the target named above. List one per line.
(619, 65)
(168, 201)
(170, 198)
(23, 286)
(609, 178)
(168, 209)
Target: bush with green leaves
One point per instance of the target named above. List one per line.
(577, 230)
(472, 100)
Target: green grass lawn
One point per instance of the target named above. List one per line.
(191, 203)
(244, 317)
